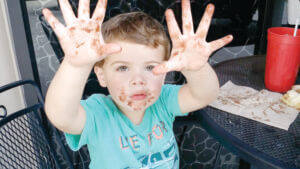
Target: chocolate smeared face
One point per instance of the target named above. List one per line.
(139, 100)
(129, 78)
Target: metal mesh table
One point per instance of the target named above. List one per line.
(261, 145)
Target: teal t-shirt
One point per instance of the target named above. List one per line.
(114, 142)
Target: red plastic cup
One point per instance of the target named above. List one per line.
(283, 59)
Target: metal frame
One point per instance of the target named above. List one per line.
(37, 106)
(23, 45)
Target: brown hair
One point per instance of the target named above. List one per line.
(136, 27)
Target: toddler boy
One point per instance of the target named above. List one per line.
(131, 127)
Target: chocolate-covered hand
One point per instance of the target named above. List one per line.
(190, 50)
(81, 38)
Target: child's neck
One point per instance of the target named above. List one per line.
(136, 117)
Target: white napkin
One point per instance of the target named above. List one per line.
(263, 106)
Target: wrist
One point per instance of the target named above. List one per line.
(79, 67)
(81, 61)
(74, 70)
(206, 67)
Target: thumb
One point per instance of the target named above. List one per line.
(160, 69)
(109, 49)
(170, 65)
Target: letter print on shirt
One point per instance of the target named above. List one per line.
(166, 158)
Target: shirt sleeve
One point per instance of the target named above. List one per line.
(75, 142)
(169, 96)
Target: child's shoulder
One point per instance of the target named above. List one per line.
(98, 99)
(169, 92)
(170, 87)
(99, 105)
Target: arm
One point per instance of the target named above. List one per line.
(202, 87)
(83, 46)
(62, 104)
(190, 55)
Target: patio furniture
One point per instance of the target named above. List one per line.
(24, 137)
(261, 145)
(209, 154)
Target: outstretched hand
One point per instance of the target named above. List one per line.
(81, 38)
(190, 50)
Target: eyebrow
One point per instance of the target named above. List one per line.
(119, 62)
(124, 62)
(153, 62)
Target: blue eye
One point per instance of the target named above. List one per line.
(150, 67)
(122, 68)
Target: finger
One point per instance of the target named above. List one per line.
(217, 44)
(57, 27)
(170, 65)
(160, 69)
(84, 9)
(205, 21)
(108, 49)
(99, 11)
(187, 20)
(101, 38)
(67, 11)
(173, 28)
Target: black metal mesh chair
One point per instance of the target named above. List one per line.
(24, 142)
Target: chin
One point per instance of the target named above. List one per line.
(138, 106)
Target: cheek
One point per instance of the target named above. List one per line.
(155, 80)
(122, 96)
(115, 82)
(155, 85)
(152, 97)
(117, 89)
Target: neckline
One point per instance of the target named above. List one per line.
(140, 127)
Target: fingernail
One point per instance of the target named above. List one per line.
(210, 7)
(45, 10)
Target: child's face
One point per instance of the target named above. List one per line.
(129, 78)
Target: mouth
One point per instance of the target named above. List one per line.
(139, 96)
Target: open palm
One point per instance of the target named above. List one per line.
(81, 38)
(190, 50)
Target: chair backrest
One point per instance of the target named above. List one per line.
(24, 142)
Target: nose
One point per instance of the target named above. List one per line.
(138, 80)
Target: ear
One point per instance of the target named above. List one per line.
(100, 76)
